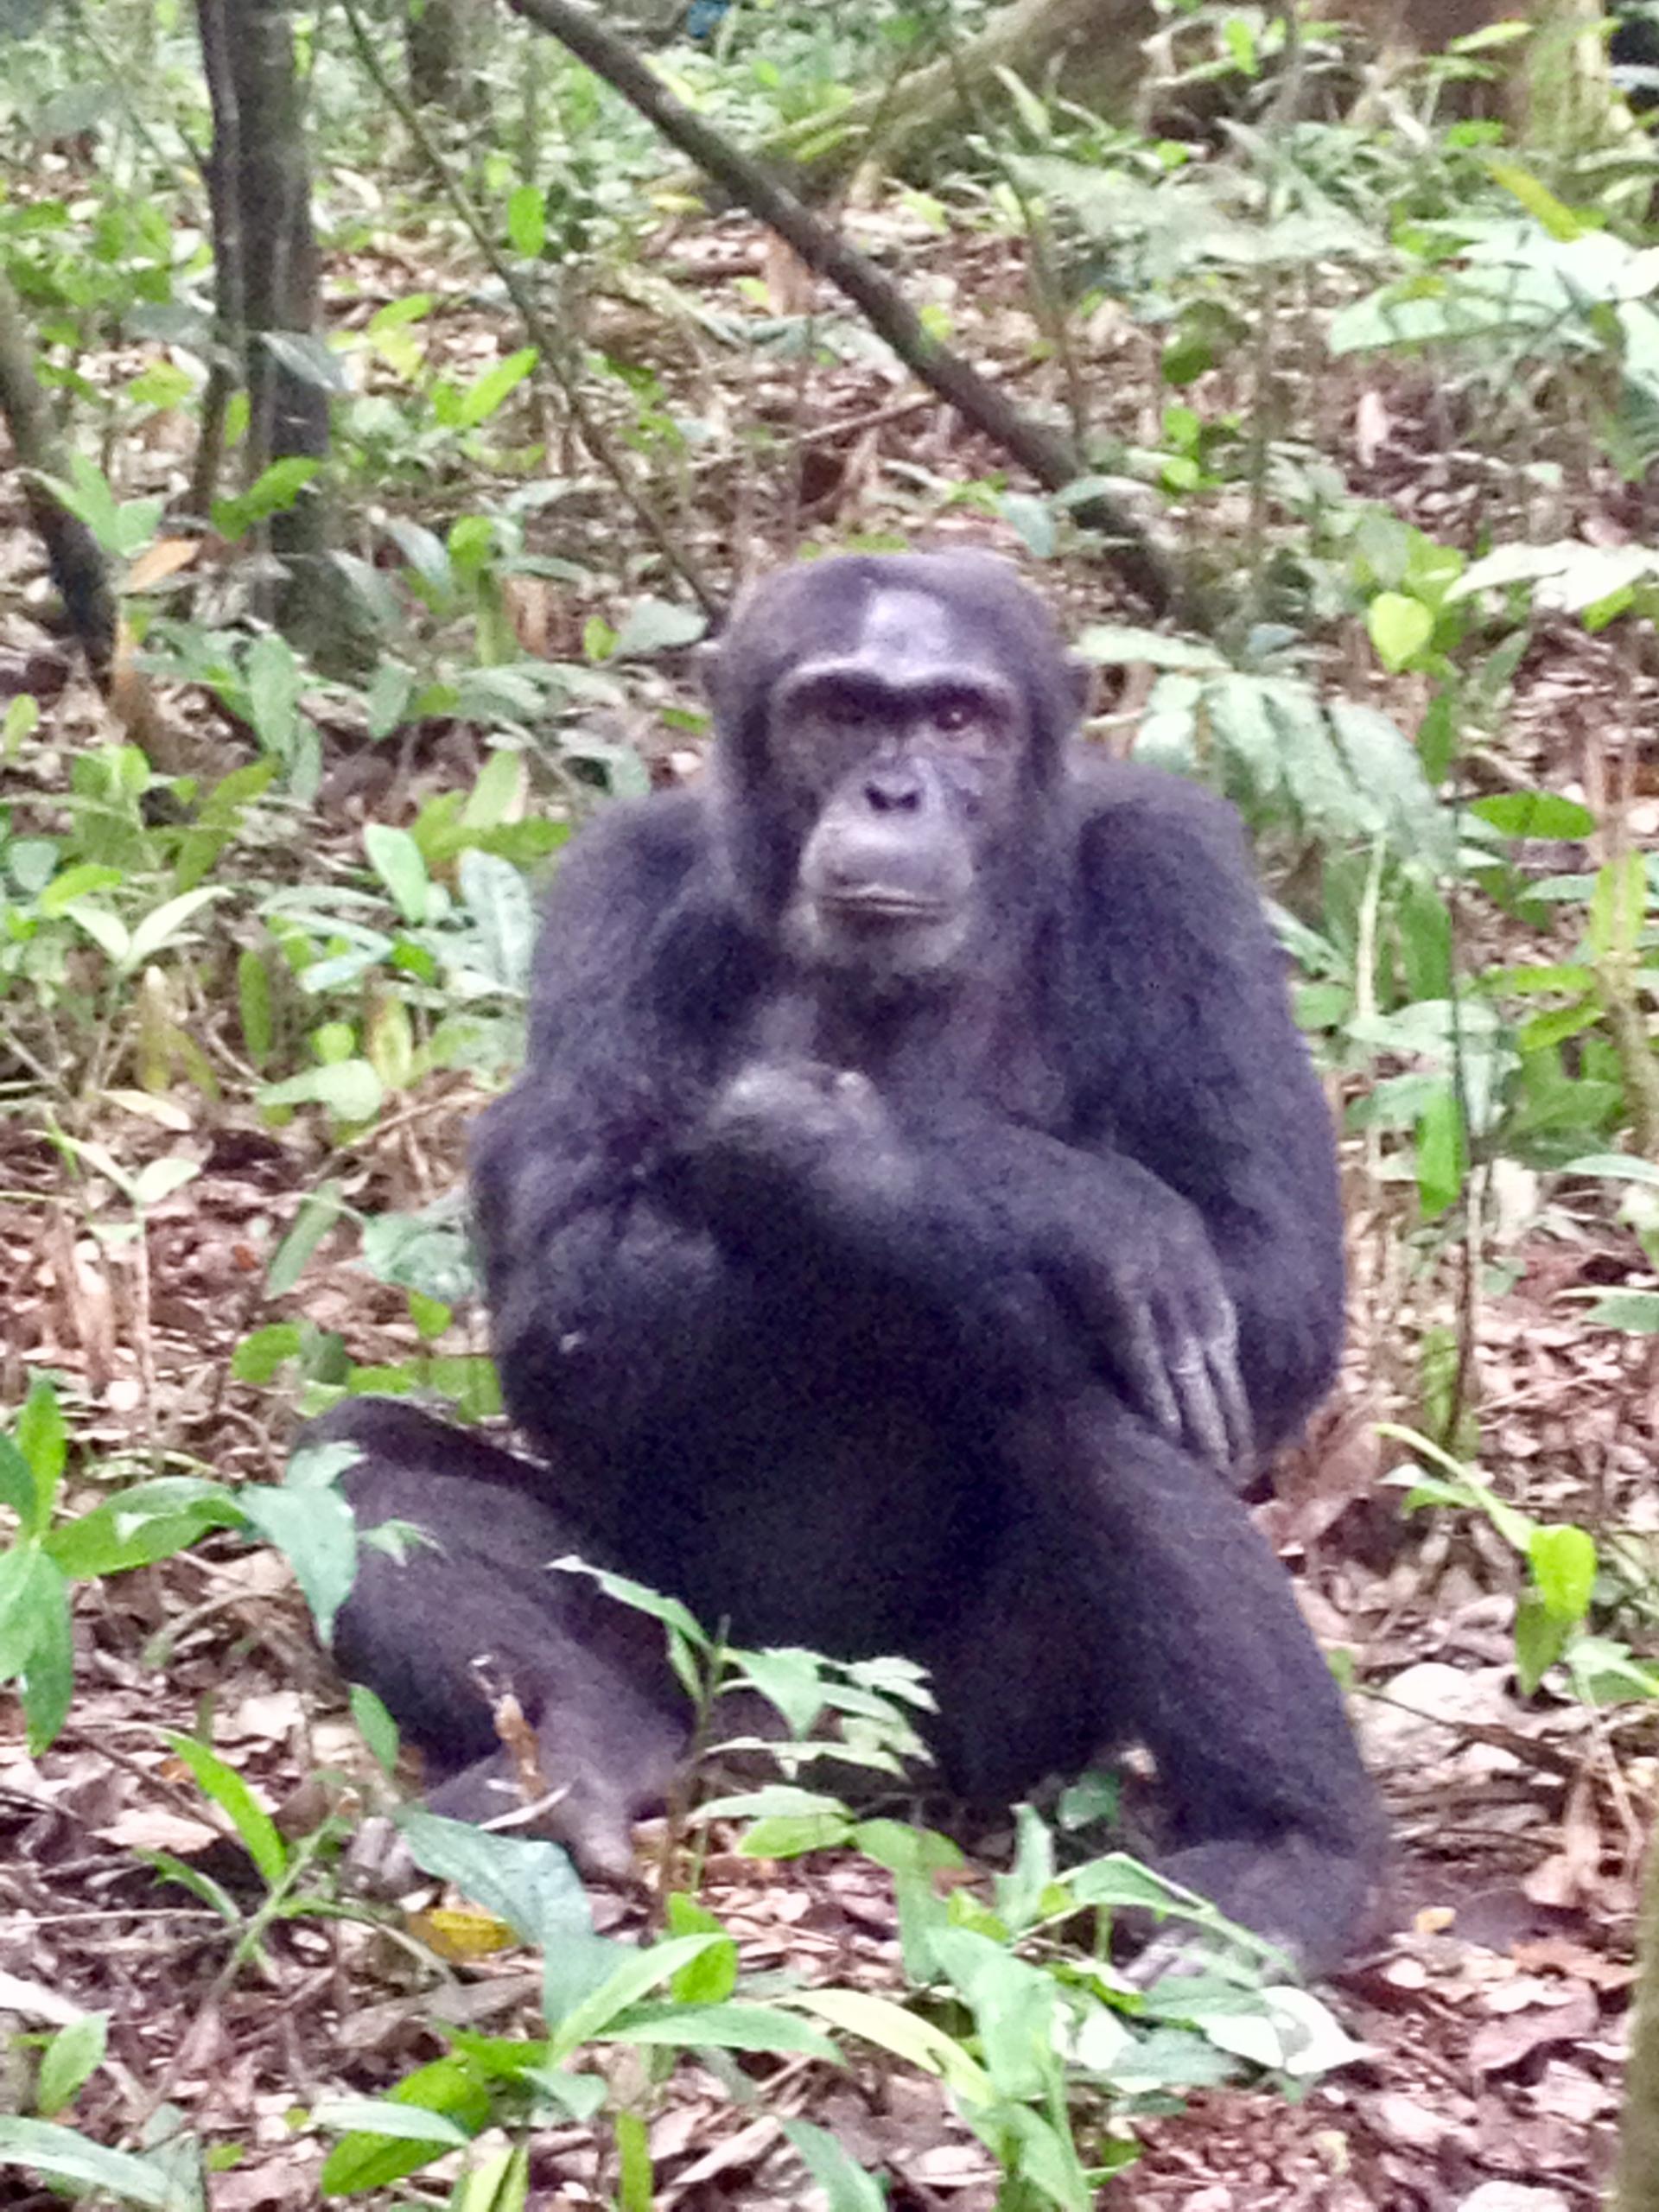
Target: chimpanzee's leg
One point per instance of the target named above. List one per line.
(1134, 1598)
(478, 1609)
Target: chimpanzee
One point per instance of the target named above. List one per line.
(1633, 49)
(916, 1211)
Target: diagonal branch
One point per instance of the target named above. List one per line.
(1047, 452)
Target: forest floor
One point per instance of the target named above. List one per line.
(1491, 2005)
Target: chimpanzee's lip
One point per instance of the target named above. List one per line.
(885, 905)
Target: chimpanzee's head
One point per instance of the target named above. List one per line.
(892, 731)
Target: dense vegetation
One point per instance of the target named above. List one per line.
(393, 412)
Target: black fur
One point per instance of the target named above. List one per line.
(874, 1305)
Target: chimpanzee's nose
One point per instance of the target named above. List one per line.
(893, 791)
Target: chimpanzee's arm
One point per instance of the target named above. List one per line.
(1189, 1060)
(610, 1308)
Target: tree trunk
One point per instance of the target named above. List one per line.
(262, 172)
(78, 566)
(1636, 2189)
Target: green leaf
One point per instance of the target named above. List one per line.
(159, 1179)
(69, 2061)
(791, 1835)
(1535, 814)
(500, 2183)
(396, 859)
(1045, 2157)
(1119, 645)
(656, 626)
(221, 1782)
(315, 1532)
(845, 2183)
(276, 489)
(258, 1356)
(627, 1591)
(350, 1090)
(44, 1440)
(163, 924)
(500, 793)
(879, 2021)
(712, 1975)
(498, 899)
(30, 1587)
(107, 932)
(1117, 1883)
(1015, 2006)
(306, 355)
(378, 2155)
(1440, 1156)
(141, 1524)
(1540, 1640)
(320, 1466)
(401, 2123)
(905, 1850)
(1400, 629)
(1616, 907)
(1606, 1673)
(638, 1972)
(770, 1800)
(484, 395)
(1636, 1311)
(61, 2154)
(77, 882)
(1550, 213)
(527, 220)
(790, 1680)
(390, 1045)
(17, 1485)
(49, 1677)
(719, 2027)
(254, 1006)
(1625, 1167)
(635, 2190)
(1563, 1563)
(275, 683)
(528, 1884)
(375, 1727)
(319, 1211)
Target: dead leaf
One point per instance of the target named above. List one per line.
(152, 1827)
(1503, 2042)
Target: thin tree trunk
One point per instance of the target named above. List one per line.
(1636, 2189)
(73, 553)
(224, 165)
(281, 283)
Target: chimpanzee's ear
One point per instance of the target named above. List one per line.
(1081, 678)
(705, 659)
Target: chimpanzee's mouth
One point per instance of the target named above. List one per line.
(882, 905)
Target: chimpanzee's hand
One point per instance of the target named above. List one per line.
(1138, 1271)
(793, 1132)
(1129, 1261)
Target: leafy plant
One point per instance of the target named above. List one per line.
(1561, 1565)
